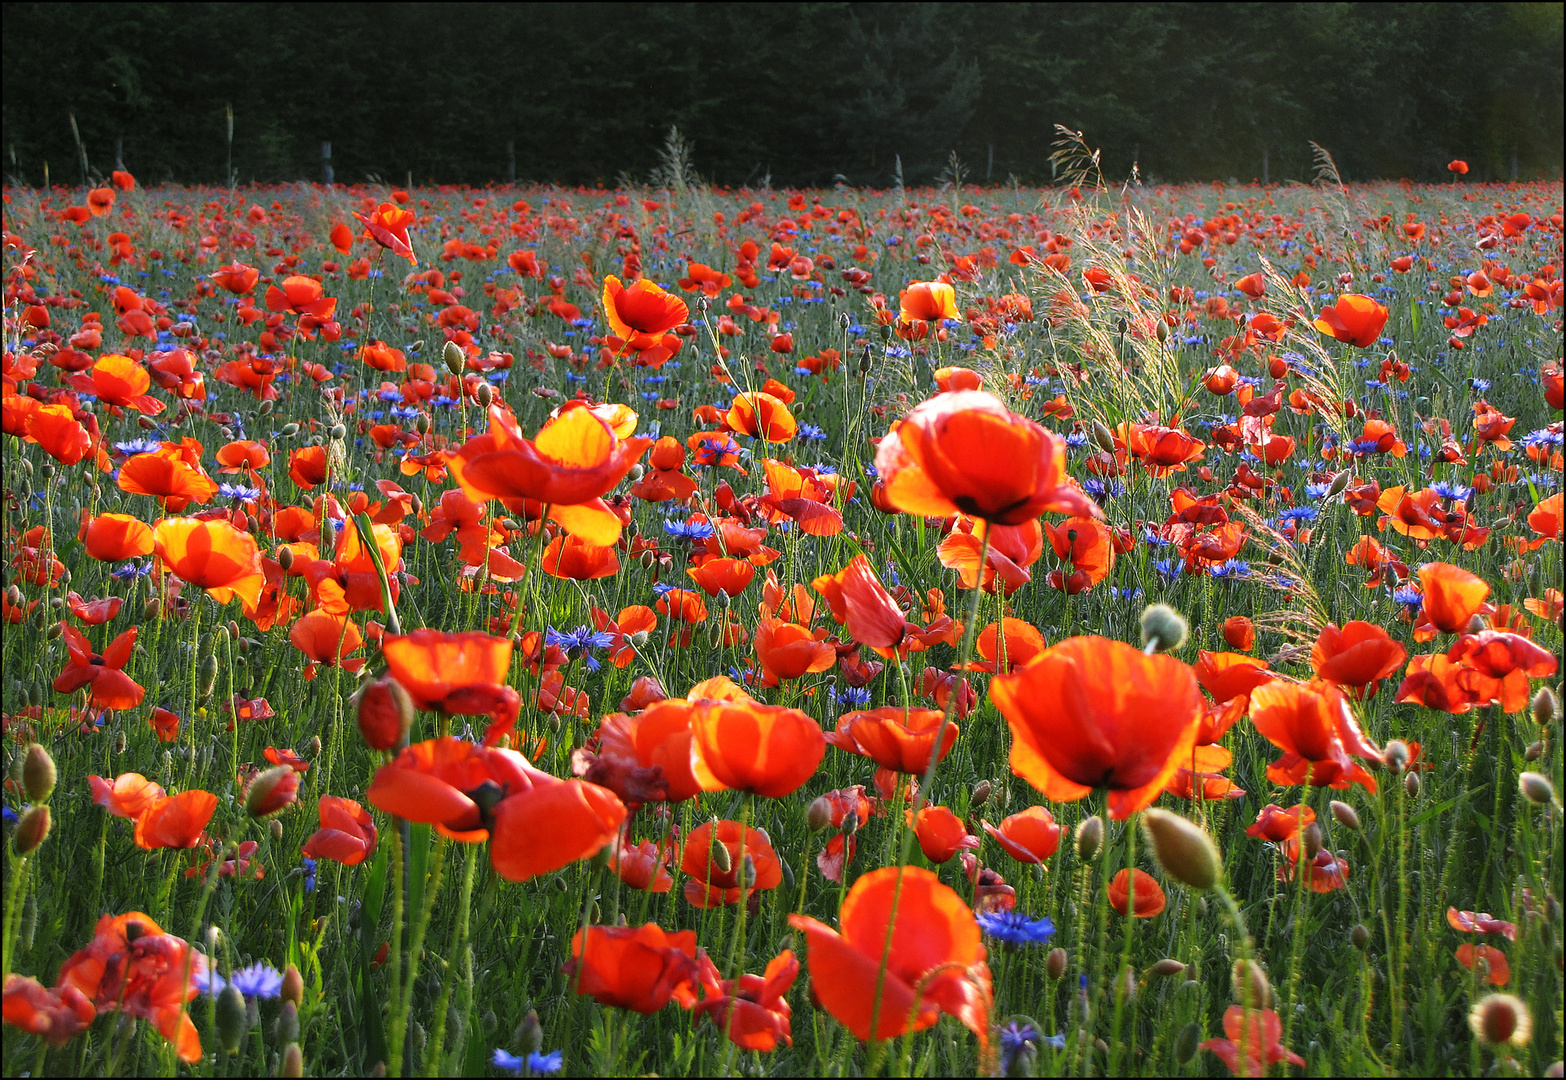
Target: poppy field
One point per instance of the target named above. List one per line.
(686, 631)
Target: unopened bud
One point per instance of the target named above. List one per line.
(981, 794)
(452, 357)
(1345, 815)
(721, 859)
(1310, 836)
(1251, 987)
(1544, 706)
(1185, 1044)
(288, 1022)
(328, 537)
(748, 872)
(231, 1018)
(275, 829)
(1395, 755)
(29, 922)
(293, 1061)
(1166, 968)
(1183, 849)
(289, 430)
(272, 792)
(421, 424)
(1163, 629)
(1534, 751)
(1339, 483)
(38, 773)
(1501, 1018)
(32, 829)
(1090, 837)
(819, 816)
(1411, 784)
(1536, 788)
(1055, 963)
(1103, 437)
(385, 713)
(206, 676)
(1359, 936)
(530, 1033)
(484, 395)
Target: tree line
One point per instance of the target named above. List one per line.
(787, 94)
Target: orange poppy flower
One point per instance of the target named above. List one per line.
(768, 750)
(211, 555)
(705, 279)
(728, 576)
(452, 784)
(128, 796)
(1359, 655)
(642, 866)
(859, 601)
(172, 475)
(1149, 899)
(120, 381)
(1088, 546)
(1013, 548)
(57, 430)
(646, 757)
(301, 295)
(1498, 971)
(1091, 712)
(1438, 683)
(1030, 836)
(327, 639)
(1239, 633)
(346, 835)
(1504, 663)
(713, 886)
(966, 452)
(554, 823)
(165, 725)
(100, 201)
(237, 278)
(894, 738)
(638, 968)
(683, 605)
(133, 967)
(1478, 922)
(1259, 1032)
(111, 687)
(1326, 871)
(789, 651)
(56, 1015)
(1277, 825)
(1022, 643)
(1452, 596)
(928, 301)
(388, 227)
(754, 1013)
(456, 673)
(1312, 725)
(935, 961)
(1161, 450)
(175, 821)
(1354, 320)
(568, 556)
(941, 833)
(575, 460)
(112, 537)
(243, 455)
(762, 416)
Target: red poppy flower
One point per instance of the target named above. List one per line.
(894, 738)
(1327, 872)
(172, 475)
(1498, 971)
(128, 796)
(966, 452)
(769, 750)
(1314, 727)
(211, 555)
(1355, 320)
(456, 673)
(55, 1015)
(1505, 663)
(646, 757)
(1359, 655)
(1259, 1032)
(642, 866)
(237, 278)
(1239, 633)
(388, 227)
(307, 466)
(165, 725)
(635, 967)
(327, 639)
(1091, 712)
(452, 784)
(554, 823)
(119, 381)
(713, 886)
(1452, 595)
(928, 301)
(790, 651)
(301, 295)
(575, 460)
(763, 416)
(934, 961)
(1278, 825)
(56, 429)
(859, 600)
(111, 687)
(133, 967)
(640, 318)
(941, 833)
(1030, 836)
(1471, 922)
(175, 821)
(570, 557)
(1149, 899)
(754, 1014)
(93, 612)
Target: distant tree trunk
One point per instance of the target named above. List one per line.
(119, 155)
(1266, 176)
(326, 163)
(990, 168)
(511, 161)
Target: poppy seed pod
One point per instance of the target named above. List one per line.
(1346, 815)
(285, 558)
(1055, 963)
(1183, 849)
(1090, 837)
(385, 713)
(38, 773)
(289, 430)
(1163, 629)
(452, 357)
(32, 829)
(272, 792)
(1536, 788)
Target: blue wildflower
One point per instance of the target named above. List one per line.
(1015, 928)
(259, 980)
(579, 643)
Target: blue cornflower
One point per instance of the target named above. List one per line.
(132, 569)
(1479, 386)
(1410, 597)
(1169, 568)
(238, 491)
(825, 468)
(852, 697)
(1448, 490)
(1076, 440)
(1233, 568)
(1362, 447)
(1015, 928)
(1317, 491)
(309, 874)
(1299, 513)
(810, 431)
(546, 1064)
(1017, 1048)
(580, 642)
(137, 446)
(259, 980)
(688, 530)
(10, 815)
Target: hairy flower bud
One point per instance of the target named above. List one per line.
(1345, 815)
(1055, 963)
(1183, 849)
(1163, 629)
(272, 792)
(1536, 788)
(452, 357)
(38, 773)
(1090, 837)
(32, 829)
(384, 710)
(231, 1018)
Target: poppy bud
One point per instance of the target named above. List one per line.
(328, 536)
(721, 859)
(32, 829)
(421, 424)
(1395, 755)
(293, 1061)
(1339, 482)
(1311, 837)
(1534, 750)
(1055, 963)
(1185, 1044)
(1359, 936)
(38, 774)
(1090, 837)
(385, 713)
(1501, 1018)
(1411, 785)
(1163, 629)
(35, 696)
(864, 361)
(285, 558)
(529, 1033)
(29, 922)
(289, 430)
(272, 792)
(1166, 968)
(1536, 788)
(1251, 987)
(231, 1018)
(981, 794)
(452, 357)
(1183, 849)
(288, 1022)
(1544, 706)
(484, 395)
(275, 829)
(206, 676)
(819, 816)
(1346, 815)
(748, 872)
(1103, 437)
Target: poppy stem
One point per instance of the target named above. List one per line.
(1301, 868)
(1125, 949)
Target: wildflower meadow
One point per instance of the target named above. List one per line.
(1101, 629)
